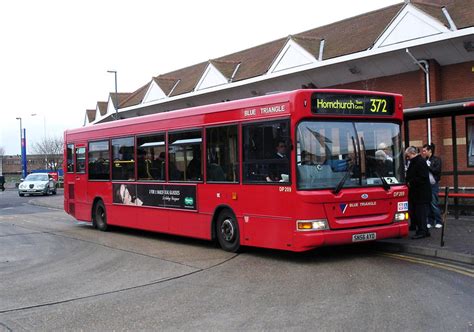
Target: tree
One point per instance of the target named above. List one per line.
(52, 149)
(2, 150)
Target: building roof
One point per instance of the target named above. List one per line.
(135, 97)
(351, 35)
(91, 114)
(102, 105)
(119, 97)
(461, 11)
(188, 78)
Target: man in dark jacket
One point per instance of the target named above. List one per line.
(419, 191)
(434, 166)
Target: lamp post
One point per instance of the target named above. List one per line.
(116, 95)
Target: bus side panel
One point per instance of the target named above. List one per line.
(213, 196)
(153, 219)
(267, 216)
(122, 215)
(268, 232)
(96, 189)
(190, 223)
(150, 219)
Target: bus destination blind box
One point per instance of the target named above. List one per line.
(352, 104)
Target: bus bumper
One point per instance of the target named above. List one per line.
(312, 239)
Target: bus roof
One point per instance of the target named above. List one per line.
(279, 97)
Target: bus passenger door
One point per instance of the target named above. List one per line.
(82, 210)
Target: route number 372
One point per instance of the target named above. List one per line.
(378, 105)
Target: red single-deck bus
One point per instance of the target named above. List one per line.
(293, 171)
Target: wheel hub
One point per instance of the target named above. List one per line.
(227, 230)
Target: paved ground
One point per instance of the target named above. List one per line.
(458, 236)
(58, 274)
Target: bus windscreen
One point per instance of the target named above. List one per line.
(352, 104)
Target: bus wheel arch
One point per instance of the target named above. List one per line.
(99, 215)
(225, 229)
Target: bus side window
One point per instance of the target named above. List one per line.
(266, 152)
(222, 163)
(99, 160)
(70, 158)
(151, 157)
(80, 160)
(123, 154)
(184, 156)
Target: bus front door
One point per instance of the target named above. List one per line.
(80, 186)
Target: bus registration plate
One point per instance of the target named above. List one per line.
(364, 237)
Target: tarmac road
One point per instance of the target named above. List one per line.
(57, 274)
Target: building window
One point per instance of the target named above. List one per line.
(222, 154)
(470, 141)
(184, 156)
(266, 148)
(151, 157)
(123, 152)
(99, 160)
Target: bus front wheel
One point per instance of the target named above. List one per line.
(99, 216)
(228, 231)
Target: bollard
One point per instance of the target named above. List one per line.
(445, 213)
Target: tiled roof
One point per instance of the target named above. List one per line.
(461, 11)
(119, 97)
(227, 68)
(166, 84)
(102, 105)
(136, 97)
(310, 44)
(348, 36)
(354, 34)
(90, 115)
(188, 78)
(255, 61)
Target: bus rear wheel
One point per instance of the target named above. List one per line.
(228, 231)
(99, 216)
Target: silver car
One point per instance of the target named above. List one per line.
(37, 183)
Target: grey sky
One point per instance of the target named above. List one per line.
(55, 54)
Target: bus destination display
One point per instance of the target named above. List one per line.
(355, 104)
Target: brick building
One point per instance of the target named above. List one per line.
(422, 49)
(11, 165)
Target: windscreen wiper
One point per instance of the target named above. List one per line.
(357, 153)
(343, 180)
(385, 185)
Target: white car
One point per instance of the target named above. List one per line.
(37, 183)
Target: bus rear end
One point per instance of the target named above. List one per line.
(349, 169)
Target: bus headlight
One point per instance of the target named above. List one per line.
(312, 225)
(401, 216)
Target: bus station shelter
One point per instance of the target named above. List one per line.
(451, 111)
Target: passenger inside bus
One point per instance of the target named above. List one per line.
(279, 169)
(144, 165)
(383, 165)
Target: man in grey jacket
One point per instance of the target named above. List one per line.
(434, 165)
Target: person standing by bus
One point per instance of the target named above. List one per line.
(434, 166)
(419, 191)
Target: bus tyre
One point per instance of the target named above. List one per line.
(99, 217)
(228, 231)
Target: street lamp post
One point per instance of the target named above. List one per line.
(116, 94)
